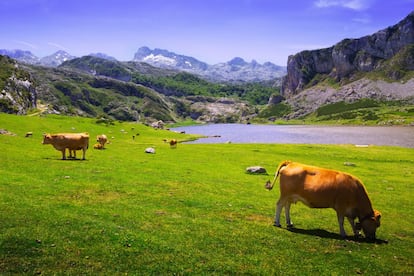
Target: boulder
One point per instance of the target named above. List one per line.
(150, 150)
(256, 170)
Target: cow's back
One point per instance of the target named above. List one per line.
(321, 188)
(73, 141)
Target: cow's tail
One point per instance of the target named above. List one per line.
(269, 185)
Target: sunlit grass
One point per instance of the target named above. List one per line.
(190, 210)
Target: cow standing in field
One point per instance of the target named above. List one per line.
(70, 141)
(101, 139)
(323, 188)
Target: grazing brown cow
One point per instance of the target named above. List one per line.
(323, 188)
(102, 139)
(71, 141)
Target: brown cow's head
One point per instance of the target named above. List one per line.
(370, 224)
(47, 138)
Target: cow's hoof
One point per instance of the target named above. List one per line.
(277, 225)
(290, 225)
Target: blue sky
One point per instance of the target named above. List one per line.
(210, 30)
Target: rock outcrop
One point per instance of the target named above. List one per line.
(348, 57)
(17, 92)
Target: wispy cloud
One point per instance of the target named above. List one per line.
(357, 5)
(59, 46)
(27, 44)
(363, 20)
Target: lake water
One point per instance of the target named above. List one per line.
(358, 135)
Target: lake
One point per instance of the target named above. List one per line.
(298, 134)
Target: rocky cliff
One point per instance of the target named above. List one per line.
(350, 57)
(17, 90)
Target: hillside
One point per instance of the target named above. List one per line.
(127, 91)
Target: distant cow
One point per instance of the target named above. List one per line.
(70, 141)
(173, 143)
(97, 146)
(102, 139)
(323, 188)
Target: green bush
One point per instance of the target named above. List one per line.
(340, 107)
(275, 110)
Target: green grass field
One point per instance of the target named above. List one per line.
(189, 210)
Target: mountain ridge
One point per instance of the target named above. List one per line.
(237, 70)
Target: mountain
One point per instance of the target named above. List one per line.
(351, 57)
(28, 57)
(56, 59)
(165, 59)
(236, 70)
(20, 55)
(371, 71)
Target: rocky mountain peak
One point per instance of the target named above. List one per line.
(21, 55)
(348, 57)
(56, 59)
(237, 61)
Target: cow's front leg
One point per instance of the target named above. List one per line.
(354, 228)
(63, 154)
(279, 206)
(341, 225)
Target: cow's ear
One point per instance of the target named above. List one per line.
(378, 218)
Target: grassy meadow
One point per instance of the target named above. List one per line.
(189, 210)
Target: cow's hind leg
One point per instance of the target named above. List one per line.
(279, 206)
(289, 223)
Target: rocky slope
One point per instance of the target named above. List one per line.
(17, 88)
(346, 60)
(311, 99)
(126, 91)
